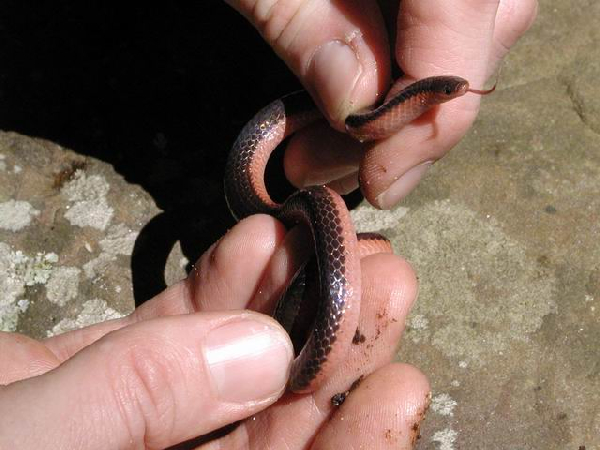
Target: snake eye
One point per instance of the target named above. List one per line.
(448, 90)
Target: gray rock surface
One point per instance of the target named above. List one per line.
(504, 234)
(68, 225)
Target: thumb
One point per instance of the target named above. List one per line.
(339, 50)
(152, 384)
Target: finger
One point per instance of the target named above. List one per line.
(338, 50)
(513, 19)
(319, 156)
(224, 278)
(389, 294)
(389, 405)
(434, 38)
(283, 266)
(22, 357)
(152, 384)
(228, 275)
(389, 289)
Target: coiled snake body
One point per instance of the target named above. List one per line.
(320, 209)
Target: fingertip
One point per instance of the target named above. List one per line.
(348, 69)
(339, 50)
(23, 357)
(392, 278)
(258, 234)
(411, 393)
(518, 15)
(230, 271)
(389, 405)
(531, 10)
(415, 385)
(513, 19)
(334, 71)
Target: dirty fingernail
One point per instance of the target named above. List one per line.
(336, 70)
(401, 187)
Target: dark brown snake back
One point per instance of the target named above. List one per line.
(323, 212)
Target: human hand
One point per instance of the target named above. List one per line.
(340, 52)
(190, 361)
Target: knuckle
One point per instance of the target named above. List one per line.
(211, 277)
(280, 21)
(142, 381)
(272, 17)
(203, 274)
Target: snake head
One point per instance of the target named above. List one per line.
(405, 105)
(446, 88)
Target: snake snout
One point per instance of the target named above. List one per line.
(451, 87)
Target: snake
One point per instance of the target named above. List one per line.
(332, 277)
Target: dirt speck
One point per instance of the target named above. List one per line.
(415, 434)
(358, 338)
(355, 384)
(339, 398)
